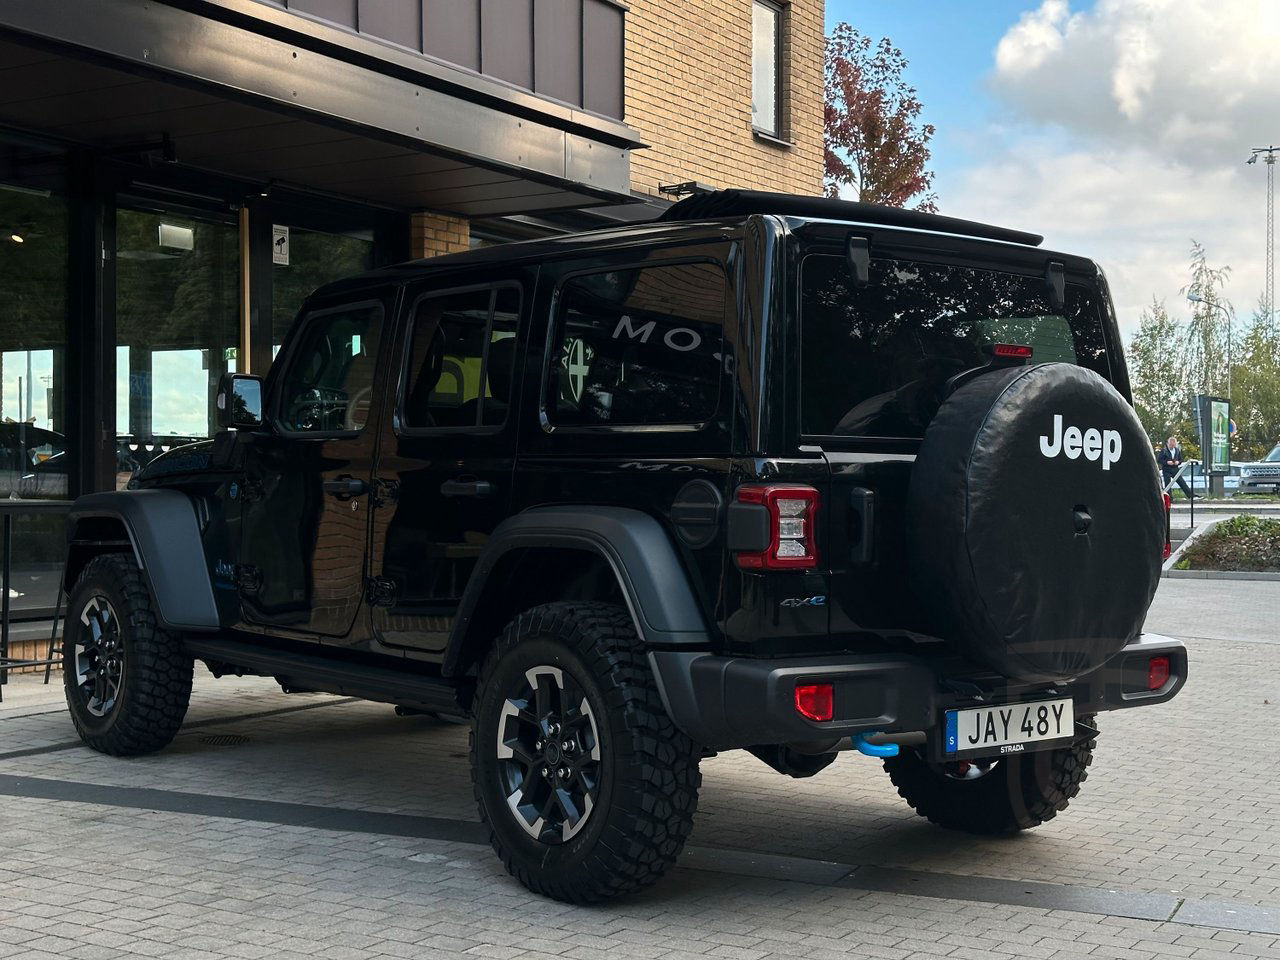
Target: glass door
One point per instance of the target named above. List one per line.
(177, 328)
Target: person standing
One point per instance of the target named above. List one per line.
(1170, 460)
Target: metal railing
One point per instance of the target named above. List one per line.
(9, 510)
(1189, 465)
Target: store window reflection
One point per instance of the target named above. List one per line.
(315, 258)
(177, 308)
(34, 460)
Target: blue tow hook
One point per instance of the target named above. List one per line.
(873, 749)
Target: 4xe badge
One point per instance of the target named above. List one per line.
(1092, 442)
(805, 602)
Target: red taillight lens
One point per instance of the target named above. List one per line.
(813, 700)
(1168, 522)
(793, 536)
(1157, 672)
(1017, 351)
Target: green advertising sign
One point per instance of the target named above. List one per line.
(1214, 419)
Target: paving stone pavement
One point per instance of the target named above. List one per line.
(1180, 802)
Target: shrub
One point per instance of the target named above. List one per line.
(1244, 542)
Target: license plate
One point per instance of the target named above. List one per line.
(1008, 728)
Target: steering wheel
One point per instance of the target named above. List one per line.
(357, 406)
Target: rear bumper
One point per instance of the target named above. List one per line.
(727, 702)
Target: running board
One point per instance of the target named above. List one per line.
(301, 671)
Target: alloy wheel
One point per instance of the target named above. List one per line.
(548, 746)
(99, 656)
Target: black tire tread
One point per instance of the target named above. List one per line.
(661, 795)
(157, 686)
(1023, 792)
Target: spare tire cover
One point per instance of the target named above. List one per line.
(1036, 522)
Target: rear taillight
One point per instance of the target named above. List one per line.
(792, 531)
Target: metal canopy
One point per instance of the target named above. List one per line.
(107, 75)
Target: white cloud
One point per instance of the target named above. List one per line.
(1192, 78)
(1125, 135)
(1130, 210)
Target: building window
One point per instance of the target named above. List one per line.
(766, 67)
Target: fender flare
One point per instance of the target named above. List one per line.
(165, 537)
(643, 558)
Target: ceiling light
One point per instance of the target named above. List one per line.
(16, 238)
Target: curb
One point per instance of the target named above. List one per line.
(1220, 575)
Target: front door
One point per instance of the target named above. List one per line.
(307, 479)
(447, 456)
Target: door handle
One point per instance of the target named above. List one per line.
(344, 487)
(466, 488)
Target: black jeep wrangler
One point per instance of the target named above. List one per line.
(775, 473)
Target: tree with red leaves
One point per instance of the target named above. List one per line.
(875, 141)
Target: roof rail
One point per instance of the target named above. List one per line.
(723, 204)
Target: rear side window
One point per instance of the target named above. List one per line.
(640, 346)
(875, 360)
(461, 359)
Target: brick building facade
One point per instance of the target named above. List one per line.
(688, 81)
(688, 76)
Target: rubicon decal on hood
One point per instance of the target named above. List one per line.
(1072, 442)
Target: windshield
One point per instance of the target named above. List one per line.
(1274, 455)
(875, 359)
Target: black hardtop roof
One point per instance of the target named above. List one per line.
(726, 208)
(721, 204)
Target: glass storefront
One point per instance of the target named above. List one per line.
(35, 453)
(34, 456)
(177, 329)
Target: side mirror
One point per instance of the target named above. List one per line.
(239, 401)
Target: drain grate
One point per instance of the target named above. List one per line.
(224, 740)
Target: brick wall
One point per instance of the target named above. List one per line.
(688, 76)
(433, 234)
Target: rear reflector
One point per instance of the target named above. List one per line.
(813, 700)
(1014, 350)
(1157, 673)
(793, 541)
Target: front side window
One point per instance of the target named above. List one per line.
(875, 359)
(461, 362)
(328, 387)
(639, 346)
(766, 48)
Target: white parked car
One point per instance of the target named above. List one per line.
(1264, 473)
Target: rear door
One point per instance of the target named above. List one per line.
(444, 475)
(875, 360)
(626, 400)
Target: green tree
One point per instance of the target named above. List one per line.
(1255, 389)
(1157, 368)
(1206, 333)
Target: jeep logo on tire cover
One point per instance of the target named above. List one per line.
(1092, 442)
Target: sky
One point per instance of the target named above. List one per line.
(1119, 129)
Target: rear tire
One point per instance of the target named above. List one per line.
(1015, 793)
(127, 681)
(586, 786)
